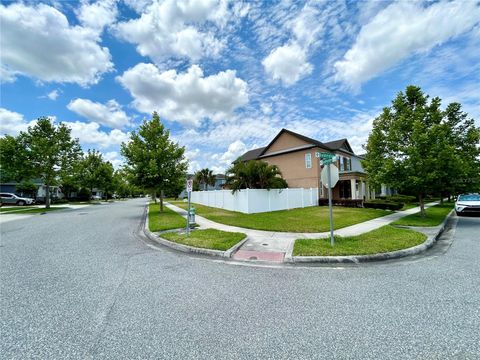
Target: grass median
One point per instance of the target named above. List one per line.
(385, 239)
(206, 239)
(309, 219)
(435, 215)
(166, 220)
(35, 210)
(14, 209)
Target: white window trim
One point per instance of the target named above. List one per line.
(308, 160)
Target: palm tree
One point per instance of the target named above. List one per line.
(255, 174)
(205, 177)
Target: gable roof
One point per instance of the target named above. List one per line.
(299, 136)
(251, 155)
(340, 144)
(255, 154)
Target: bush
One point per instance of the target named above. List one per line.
(341, 202)
(382, 204)
(406, 199)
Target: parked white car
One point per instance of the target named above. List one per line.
(12, 199)
(467, 204)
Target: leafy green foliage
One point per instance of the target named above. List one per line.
(204, 177)
(48, 151)
(94, 172)
(154, 161)
(254, 174)
(417, 147)
(13, 160)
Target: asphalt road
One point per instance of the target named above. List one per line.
(83, 284)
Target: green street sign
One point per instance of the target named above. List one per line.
(326, 155)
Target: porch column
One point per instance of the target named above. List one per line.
(362, 190)
(353, 189)
(367, 191)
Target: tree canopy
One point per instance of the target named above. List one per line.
(416, 146)
(205, 177)
(254, 174)
(46, 150)
(154, 161)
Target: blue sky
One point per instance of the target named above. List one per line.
(226, 76)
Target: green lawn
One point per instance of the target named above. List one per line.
(206, 239)
(310, 219)
(385, 239)
(167, 220)
(16, 208)
(37, 210)
(435, 215)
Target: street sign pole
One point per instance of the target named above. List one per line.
(189, 193)
(332, 239)
(188, 215)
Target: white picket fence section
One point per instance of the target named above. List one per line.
(251, 201)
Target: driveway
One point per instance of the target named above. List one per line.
(84, 284)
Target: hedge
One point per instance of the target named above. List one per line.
(382, 204)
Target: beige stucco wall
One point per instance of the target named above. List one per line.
(292, 166)
(285, 142)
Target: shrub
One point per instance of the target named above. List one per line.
(341, 202)
(382, 204)
(406, 199)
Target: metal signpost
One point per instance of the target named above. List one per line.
(327, 159)
(189, 192)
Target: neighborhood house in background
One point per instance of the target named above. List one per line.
(294, 154)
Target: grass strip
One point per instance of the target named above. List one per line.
(385, 239)
(14, 209)
(206, 239)
(166, 220)
(309, 219)
(39, 210)
(435, 215)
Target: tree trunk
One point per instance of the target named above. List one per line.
(161, 200)
(441, 197)
(154, 196)
(47, 196)
(422, 205)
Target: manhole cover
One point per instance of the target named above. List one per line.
(265, 244)
(84, 213)
(252, 258)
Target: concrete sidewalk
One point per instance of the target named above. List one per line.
(273, 245)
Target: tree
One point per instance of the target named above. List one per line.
(415, 145)
(205, 177)
(13, 160)
(254, 174)
(153, 160)
(49, 151)
(94, 172)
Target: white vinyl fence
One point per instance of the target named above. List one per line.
(252, 201)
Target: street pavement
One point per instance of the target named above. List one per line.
(85, 284)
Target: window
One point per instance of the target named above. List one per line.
(308, 161)
(342, 164)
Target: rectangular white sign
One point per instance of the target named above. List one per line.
(189, 185)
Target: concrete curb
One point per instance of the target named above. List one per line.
(373, 257)
(189, 249)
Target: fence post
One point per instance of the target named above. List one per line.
(303, 201)
(248, 201)
(269, 201)
(288, 201)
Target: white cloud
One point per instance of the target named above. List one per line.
(287, 63)
(53, 95)
(90, 133)
(38, 41)
(169, 28)
(185, 97)
(110, 114)
(7, 75)
(11, 122)
(402, 29)
(114, 157)
(235, 149)
(97, 15)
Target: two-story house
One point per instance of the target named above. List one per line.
(294, 154)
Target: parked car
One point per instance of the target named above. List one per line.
(95, 197)
(12, 199)
(467, 204)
